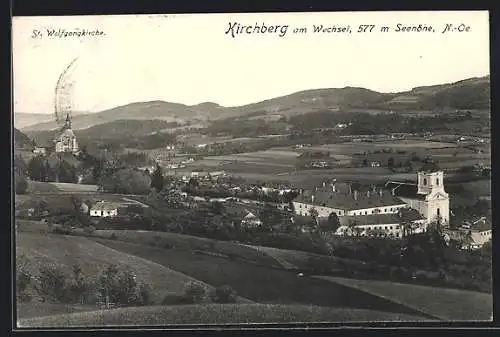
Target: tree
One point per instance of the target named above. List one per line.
(467, 240)
(195, 292)
(36, 169)
(120, 286)
(126, 181)
(390, 163)
(23, 278)
(313, 212)
(79, 289)
(270, 216)
(52, 283)
(20, 165)
(20, 184)
(66, 172)
(217, 208)
(333, 222)
(157, 178)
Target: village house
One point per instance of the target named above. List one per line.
(40, 151)
(105, 209)
(472, 234)
(251, 221)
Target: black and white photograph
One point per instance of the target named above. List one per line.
(251, 169)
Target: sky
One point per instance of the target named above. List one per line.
(188, 58)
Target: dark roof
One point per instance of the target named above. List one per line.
(380, 219)
(345, 200)
(480, 224)
(429, 167)
(404, 190)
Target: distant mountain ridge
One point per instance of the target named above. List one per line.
(473, 93)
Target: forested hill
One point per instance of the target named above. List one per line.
(21, 141)
(473, 93)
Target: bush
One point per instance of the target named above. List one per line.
(89, 230)
(79, 289)
(23, 279)
(52, 283)
(120, 287)
(195, 292)
(144, 297)
(224, 294)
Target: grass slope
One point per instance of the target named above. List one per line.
(259, 283)
(93, 257)
(446, 304)
(194, 243)
(211, 314)
(41, 309)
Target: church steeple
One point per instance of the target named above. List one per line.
(68, 122)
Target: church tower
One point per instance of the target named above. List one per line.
(66, 140)
(431, 187)
(430, 179)
(67, 125)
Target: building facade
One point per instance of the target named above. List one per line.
(397, 209)
(66, 140)
(428, 196)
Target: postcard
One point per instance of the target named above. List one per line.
(252, 170)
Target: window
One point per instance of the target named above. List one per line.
(425, 181)
(438, 212)
(437, 181)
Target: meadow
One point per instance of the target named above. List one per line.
(41, 309)
(38, 187)
(192, 243)
(446, 304)
(213, 314)
(65, 251)
(259, 283)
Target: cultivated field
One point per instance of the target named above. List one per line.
(294, 259)
(259, 283)
(52, 187)
(446, 304)
(42, 187)
(213, 314)
(93, 257)
(77, 188)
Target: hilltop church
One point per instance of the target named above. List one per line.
(65, 141)
(381, 211)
